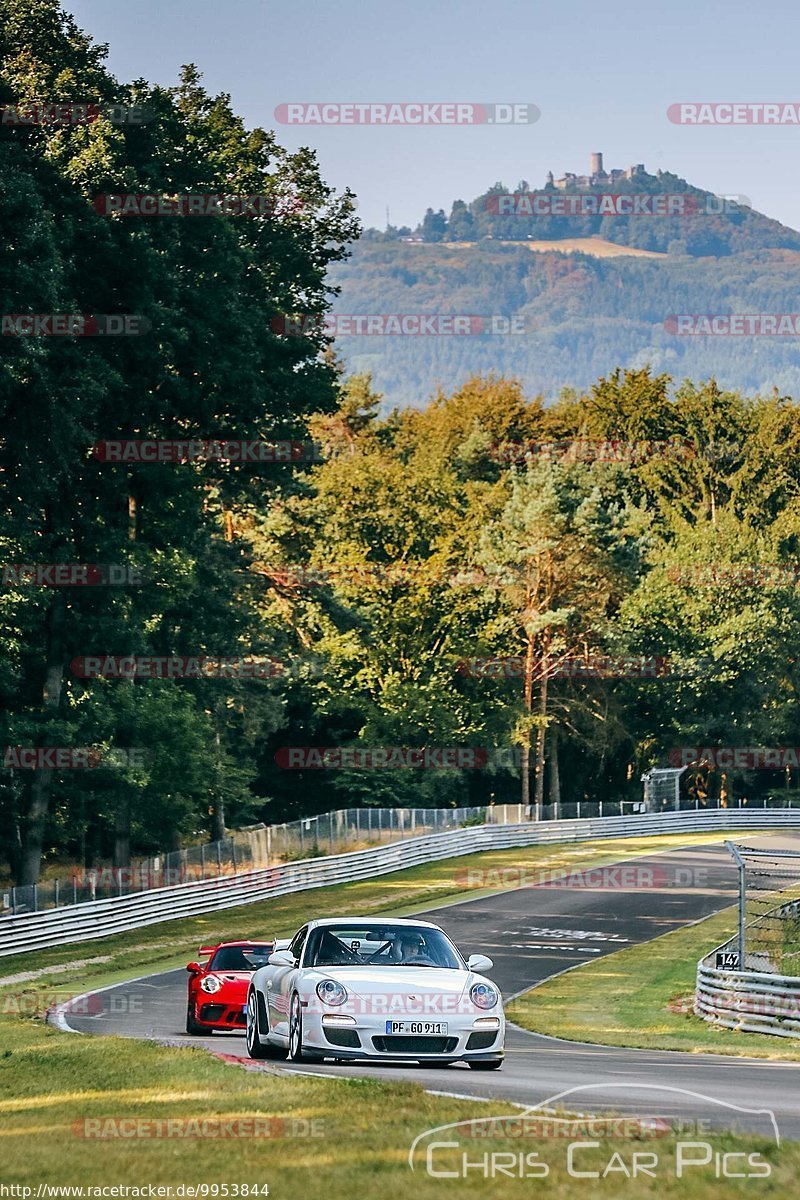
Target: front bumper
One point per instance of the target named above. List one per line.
(217, 1014)
(368, 1038)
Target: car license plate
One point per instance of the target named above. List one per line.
(416, 1027)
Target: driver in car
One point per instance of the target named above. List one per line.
(412, 950)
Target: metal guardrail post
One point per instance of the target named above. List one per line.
(733, 849)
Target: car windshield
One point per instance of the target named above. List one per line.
(380, 946)
(240, 958)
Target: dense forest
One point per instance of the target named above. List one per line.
(523, 580)
(576, 317)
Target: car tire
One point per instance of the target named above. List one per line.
(296, 1051)
(256, 1048)
(193, 1027)
(486, 1064)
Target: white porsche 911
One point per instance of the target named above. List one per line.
(350, 987)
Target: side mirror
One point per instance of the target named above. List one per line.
(281, 958)
(194, 968)
(479, 963)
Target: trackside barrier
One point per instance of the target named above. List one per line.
(86, 922)
(750, 1001)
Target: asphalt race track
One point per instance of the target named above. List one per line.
(533, 933)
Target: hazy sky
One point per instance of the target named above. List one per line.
(603, 76)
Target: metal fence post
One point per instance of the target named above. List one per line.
(56, 893)
(36, 897)
(233, 853)
(202, 860)
(737, 858)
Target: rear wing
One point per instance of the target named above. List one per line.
(206, 951)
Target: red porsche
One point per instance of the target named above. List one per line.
(218, 987)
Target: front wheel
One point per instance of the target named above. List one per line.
(296, 1051)
(193, 1026)
(486, 1064)
(255, 1047)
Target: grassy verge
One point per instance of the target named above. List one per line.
(641, 997)
(337, 1137)
(345, 1137)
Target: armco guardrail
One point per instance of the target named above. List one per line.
(750, 1001)
(87, 922)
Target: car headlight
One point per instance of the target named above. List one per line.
(483, 995)
(331, 992)
(210, 983)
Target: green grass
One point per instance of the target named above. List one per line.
(51, 1083)
(641, 997)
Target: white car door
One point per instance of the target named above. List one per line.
(280, 986)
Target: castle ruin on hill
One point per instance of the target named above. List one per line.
(597, 175)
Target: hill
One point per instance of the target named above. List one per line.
(578, 295)
(661, 212)
(577, 316)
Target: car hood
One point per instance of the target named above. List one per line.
(400, 989)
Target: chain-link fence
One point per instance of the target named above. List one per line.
(244, 850)
(309, 837)
(768, 937)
